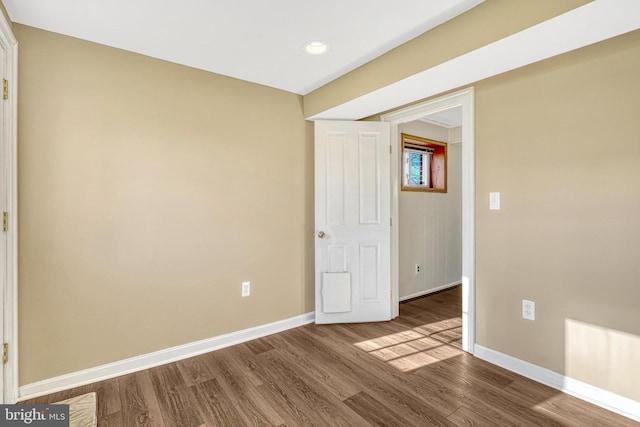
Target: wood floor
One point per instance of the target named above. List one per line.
(407, 372)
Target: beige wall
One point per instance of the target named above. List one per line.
(430, 224)
(488, 22)
(148, 191)
(559, 140)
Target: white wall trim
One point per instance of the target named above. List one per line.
(465, 99)
(9, 148)
(600, 397)
(157, 358)
(429, 291)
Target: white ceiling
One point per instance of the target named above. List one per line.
(255, 40)
(450, 118)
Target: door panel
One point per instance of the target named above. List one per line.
(352, 196)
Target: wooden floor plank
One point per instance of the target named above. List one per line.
(215, 406)
(407, 372)
(247, 399)
(469, 418)
(306, 392)
(308, 355)
(112, 420)
(139, 402)
(177, 405)
(375, 411)
(260, 345)
(195, 370)
(300, 397)
(107, 392)
(577, 411)
(291, 413)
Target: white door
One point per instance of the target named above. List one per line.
(352, 221)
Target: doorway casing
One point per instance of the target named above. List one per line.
(8, 180)
(465, 100)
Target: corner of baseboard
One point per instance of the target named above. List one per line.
(587, 392)
(429, 291)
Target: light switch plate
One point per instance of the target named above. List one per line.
(246, 289)
(494, 201)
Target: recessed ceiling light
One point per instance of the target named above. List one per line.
(316, 47)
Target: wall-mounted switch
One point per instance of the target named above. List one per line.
(246, 289)
(494, 201)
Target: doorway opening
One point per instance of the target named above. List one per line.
(461, 104)
(430, 219)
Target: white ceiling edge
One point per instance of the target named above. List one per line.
(583, 26)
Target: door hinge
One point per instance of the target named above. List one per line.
(5, 89)
(390, 149)
(5, 221)
(5, 353)
(391, 222)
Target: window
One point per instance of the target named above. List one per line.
(424, 164)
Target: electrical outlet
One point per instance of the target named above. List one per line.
(418, 269)
(246, 289)
(528, 310)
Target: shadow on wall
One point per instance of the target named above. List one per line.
(603, 357)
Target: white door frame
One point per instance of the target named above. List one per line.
(9, 169)
(464, 99)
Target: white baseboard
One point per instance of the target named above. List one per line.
(157, 358)
(428, 291)
(600, 397)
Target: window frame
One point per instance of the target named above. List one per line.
(437, 174)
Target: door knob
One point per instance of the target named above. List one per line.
(321, 234)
